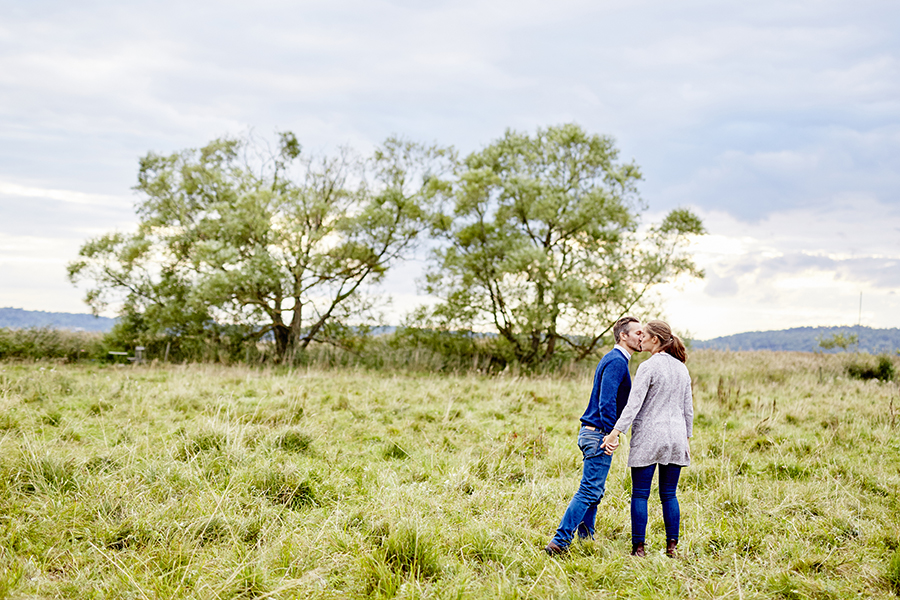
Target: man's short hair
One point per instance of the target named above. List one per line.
(622, 326)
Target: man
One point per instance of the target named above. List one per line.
(612, 383)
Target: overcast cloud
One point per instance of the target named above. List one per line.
(778, 122)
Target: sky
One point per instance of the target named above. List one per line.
(778, 123)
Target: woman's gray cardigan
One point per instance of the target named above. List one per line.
(660, 410)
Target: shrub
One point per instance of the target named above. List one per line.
(40, 343)
(195, 342)
(447, 350)
(883, 370)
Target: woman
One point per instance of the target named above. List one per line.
(661, 412)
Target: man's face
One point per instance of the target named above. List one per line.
(631, 337)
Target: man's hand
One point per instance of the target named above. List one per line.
(611, 442)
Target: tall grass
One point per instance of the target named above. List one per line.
(208, 481)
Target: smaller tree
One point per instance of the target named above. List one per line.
(838, 340)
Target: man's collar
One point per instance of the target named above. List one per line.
(624, 350)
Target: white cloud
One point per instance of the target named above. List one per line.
(38, 250)
(74, 197)
(796, 267)
(777, 121)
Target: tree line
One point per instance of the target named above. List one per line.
(535, 240)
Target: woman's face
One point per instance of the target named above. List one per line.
(649, 343)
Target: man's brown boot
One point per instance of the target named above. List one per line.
(553, 550)
(670, 548)
(637, 549)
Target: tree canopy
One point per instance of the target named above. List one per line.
(838, 340)
(277, 242)
(537, 238)
(542, 243)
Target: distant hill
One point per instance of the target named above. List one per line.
(798, 339)
(805, 339)
(19, 318)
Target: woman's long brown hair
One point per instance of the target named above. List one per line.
(671, 343)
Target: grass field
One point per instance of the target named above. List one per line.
(227, 482)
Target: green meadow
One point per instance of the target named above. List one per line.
(207, 481)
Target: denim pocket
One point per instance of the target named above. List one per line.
(589, 443)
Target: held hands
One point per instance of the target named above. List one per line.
(611, 442)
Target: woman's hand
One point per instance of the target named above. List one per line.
(611, 442)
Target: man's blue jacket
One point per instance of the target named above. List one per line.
(612, 384)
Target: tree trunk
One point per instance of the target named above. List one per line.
(283, 340)
(296, 330)
(551, 342)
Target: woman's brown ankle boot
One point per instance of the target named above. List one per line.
(637, 549)
(670, 548)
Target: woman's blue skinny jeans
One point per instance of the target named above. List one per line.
(641, 479)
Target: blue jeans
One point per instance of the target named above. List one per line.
(641, 479)
(582, 509)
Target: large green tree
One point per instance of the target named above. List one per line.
(272, 240)
(542, 243)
